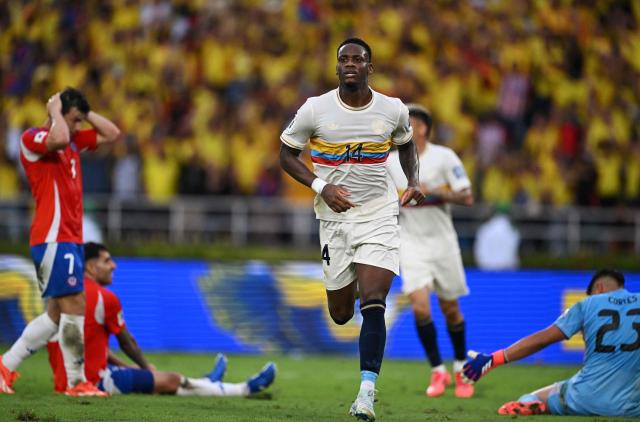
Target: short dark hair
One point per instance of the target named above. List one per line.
(92, 250)
(422, 113)
(359, 42)
(606, 272)
(72, 97)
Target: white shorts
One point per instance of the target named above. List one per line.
(344, 244)
(445, 275)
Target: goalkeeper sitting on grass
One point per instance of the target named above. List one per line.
(609, 382)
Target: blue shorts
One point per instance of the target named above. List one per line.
(59, 267)
(121, 380)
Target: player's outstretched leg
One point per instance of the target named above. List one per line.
(219, 368)
(205, 387)
(34, 337)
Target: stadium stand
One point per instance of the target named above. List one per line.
(540, 99)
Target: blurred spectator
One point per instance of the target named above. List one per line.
(608, 161)
(512, 103)
(491, 138)
(192, 176)
(96, 172)
(632, 175)
(126, 171)
(270, 181)
(160, 167)
(584, 182)
(497, 243)
(551, 79)
(570, 143)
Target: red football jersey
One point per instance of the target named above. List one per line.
(55, 178)
(103, 317)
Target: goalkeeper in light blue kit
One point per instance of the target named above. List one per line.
(609, 382)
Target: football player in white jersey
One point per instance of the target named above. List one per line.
(429, 251)
(350, 131)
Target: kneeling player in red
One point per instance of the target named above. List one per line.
(104, 317)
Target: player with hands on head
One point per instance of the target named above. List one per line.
(50, 156)
(350, 131)
(607, 384)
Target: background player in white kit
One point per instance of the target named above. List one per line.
(350, 131)
(429, 251)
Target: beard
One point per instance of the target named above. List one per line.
(351, 86)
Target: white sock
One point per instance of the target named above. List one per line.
(458, 364)
(205, 387)
(34, 337)
(439, 368)
(71, 340)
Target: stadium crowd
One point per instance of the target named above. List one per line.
(539, 98)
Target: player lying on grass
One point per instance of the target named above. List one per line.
(609, 382)
(104, 317)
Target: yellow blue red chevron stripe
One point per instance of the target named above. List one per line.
(356, 152)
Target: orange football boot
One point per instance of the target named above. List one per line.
(85, 389)
(439, 380)
(7, 379)
(463, 390)
(523, 408)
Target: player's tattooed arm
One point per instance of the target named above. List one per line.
(130, 347)
(335, 196)
(107, 130)
(408, 155)
(59, 135)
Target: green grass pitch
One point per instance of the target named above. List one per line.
(315, 388)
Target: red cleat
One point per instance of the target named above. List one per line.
(85, 389)
(523, 408)
(439, 380)
(6, 379)
(463, 390)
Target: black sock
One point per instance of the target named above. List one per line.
(457, 335)
(373, 335)
(427, 333)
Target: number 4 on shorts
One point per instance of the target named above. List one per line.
(325, 254)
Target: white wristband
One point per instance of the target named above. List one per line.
(318, 184)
